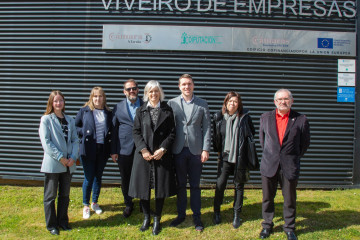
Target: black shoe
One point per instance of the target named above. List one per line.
(265, 233)
(66, 227)
(217, 218)
(177, 221)
(199, 226)
(157, 227)
(54, 231)
(291, 235)
(146, 224)
(127, 211)
(237, 220)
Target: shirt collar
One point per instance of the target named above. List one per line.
(149, 105)
(285, 116)
(187, 102)
(137, 103)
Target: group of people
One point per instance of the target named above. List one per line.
(163, 146)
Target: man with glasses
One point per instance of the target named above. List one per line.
(284, 138)
(123, 147)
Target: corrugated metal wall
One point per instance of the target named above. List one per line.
(47, 45)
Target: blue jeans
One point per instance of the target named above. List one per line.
(188, 165)
(93, 171)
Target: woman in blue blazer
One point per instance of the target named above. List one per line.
(61, 146)
(93, 124)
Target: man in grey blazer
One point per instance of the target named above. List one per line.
(122, 144)
(191, 147)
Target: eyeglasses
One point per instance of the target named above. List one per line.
(131, 88)
(282, 99)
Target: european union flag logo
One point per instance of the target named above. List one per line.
(325, 43)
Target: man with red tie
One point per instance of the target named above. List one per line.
(284, 138)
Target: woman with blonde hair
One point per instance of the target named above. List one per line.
(93, 123)
(60, 143)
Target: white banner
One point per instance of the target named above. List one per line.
(227, 39)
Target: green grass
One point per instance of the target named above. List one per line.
(320, 215)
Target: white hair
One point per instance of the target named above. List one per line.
(150, 85)
(283, 90)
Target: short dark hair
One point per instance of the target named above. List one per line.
(227, 98)
(186, 76)
(131, 80)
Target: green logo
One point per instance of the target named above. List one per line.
(196, 39)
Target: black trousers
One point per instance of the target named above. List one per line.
(125, 164)
(56, 184)
(269, 188)
(159, 204)
(224, 170)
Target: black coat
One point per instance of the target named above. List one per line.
(295, 143)
(241, 171)
(144, 136)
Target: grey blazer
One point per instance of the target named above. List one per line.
(197, 127)
(54, 145)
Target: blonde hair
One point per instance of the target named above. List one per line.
(90, 103)
(49, 107)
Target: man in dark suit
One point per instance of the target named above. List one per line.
(123, 148)
(191, 147)
(284, 138)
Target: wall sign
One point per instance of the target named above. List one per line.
(346, 94)
(228, 39)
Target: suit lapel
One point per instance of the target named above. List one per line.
(124, 108)
(273, 126)
(180, 103)
(291, 122)
(195, 107)
(162, 117)
(57, 125)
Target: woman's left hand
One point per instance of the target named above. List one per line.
(158, 154)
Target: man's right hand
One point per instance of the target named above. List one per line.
(114, 157)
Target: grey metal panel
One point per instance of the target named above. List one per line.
(57, 45)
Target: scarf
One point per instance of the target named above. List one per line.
(231, 136)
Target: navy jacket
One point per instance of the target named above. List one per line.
(122, 138)
(295, 143)
(85, 126)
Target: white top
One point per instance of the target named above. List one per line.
(99, 118)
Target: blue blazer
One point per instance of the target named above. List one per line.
(54, 144)
(85, 126)
(122, 138)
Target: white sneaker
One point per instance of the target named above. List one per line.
(86, 213)
(96, 208)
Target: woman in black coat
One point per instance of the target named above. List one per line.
(231, 127)
(154, 133)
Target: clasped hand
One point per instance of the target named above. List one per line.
(156, 156)
(67, 162)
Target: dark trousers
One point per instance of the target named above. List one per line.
(53, 182)
(188, 165)
(93, 171)
(269, 187)
(125, 165)
(224, 170)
